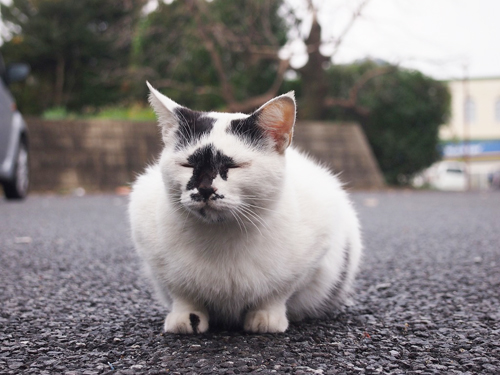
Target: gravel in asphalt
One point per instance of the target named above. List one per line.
(73, 299)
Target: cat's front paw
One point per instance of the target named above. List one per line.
(266, 321)
(186, 322)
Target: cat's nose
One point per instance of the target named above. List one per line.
(206, 192)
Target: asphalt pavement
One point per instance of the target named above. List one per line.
(73, 299)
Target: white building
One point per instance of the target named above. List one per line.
(472, 134)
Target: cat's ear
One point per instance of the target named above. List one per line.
(277, 118)
(165, 111)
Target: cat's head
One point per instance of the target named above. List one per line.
(224, 166)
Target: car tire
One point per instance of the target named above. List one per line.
(17, 188)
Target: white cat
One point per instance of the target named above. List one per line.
(237, 228)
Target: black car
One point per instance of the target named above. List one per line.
(14, 152)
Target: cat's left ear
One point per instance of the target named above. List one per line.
(164, 108)
(277, 118)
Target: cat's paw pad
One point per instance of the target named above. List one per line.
(186, 322)
(264, 321)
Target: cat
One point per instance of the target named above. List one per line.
(238, 229)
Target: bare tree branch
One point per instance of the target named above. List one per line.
(227, 89)
(247, 41)
(199, 90)
(244, 43)
(266, 23)
(252, 103)
(348, 27)
(216, 37)
(352, 101)
(312, 47)
(226, 38)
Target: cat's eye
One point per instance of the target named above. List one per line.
(187, 165)
(239, 165)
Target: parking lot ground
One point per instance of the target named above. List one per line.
(74, 301)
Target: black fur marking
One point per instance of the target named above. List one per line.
(338, 292)
(207, 163)
(248, 129)
(195, 322)
(192, 126)
(197, 197)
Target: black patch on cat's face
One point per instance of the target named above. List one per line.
(207, 163)
(192, 126)
(248, 129)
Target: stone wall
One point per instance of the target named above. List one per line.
(344, 148)
(102, 155)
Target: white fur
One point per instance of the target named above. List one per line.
(275, 248)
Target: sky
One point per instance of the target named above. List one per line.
(445, 39)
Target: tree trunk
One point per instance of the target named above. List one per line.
(314, 83)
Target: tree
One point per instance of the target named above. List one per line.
(167, 51)
(400, 111)
(315, 100)
(227, 51)
(244, 41)
(222, 53)
(73, 47)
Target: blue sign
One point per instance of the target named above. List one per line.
(472, 148)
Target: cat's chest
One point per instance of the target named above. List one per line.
(228, 269)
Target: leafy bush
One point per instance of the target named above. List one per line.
(134, 113)
(404, 112)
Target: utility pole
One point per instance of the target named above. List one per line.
(468, 108)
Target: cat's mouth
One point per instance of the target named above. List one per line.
(209, 210)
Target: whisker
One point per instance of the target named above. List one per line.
(251, 221)
(258, 207)
(255, 216)
(253, 197)
(185, 220)
(241, 221)
(238, 222)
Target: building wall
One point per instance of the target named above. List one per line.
(472, 135)
(485, 94)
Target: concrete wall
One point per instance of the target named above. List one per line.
(103, 155)
(344, 148)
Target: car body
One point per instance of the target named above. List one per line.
(494, 179)
(444, 175)
(14, 151)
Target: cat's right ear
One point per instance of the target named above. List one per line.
(277, 118)
(165, 111)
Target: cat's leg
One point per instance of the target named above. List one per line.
(329, 286)
(314, 296)
(186, 318)
(268, 317)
